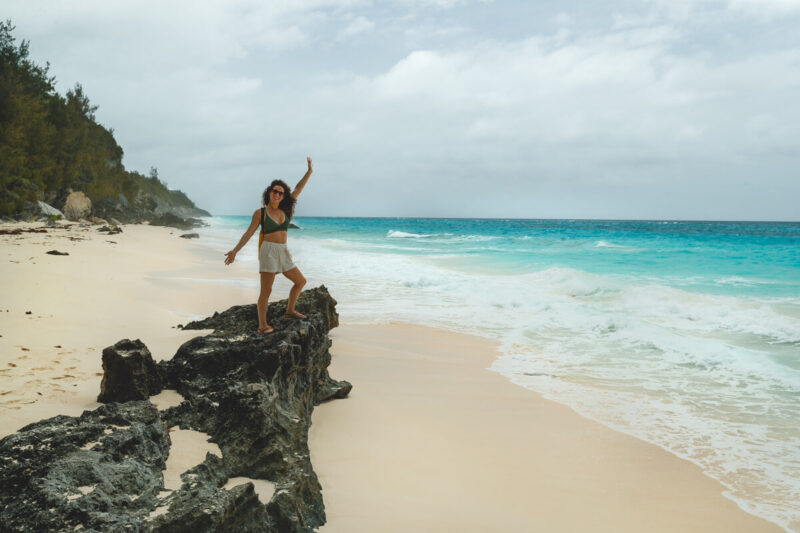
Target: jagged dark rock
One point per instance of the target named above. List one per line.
(100, 471)
(129, 373)
(252, 393)
(190, 236)
(174, 221)
(244, 318)
(111, 230)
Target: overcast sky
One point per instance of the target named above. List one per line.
(674, 109)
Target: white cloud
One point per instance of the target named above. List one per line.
(766, 8)
(358, 25)
(618, 119)
(615, 110)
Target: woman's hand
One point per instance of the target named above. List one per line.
(230, 257)
(310, 165)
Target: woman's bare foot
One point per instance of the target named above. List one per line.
(294, 314)
(266, 329)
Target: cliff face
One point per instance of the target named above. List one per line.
(173, 209)
(252, 393)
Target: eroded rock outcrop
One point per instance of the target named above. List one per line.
(49, 210)
(77, 206)
(129, 373)
(110, 230)
(175, 221)
(100, 471)
(252, 393)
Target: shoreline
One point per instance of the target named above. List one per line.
(424, 402)
(141, 286)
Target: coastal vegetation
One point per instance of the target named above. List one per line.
(50, 144)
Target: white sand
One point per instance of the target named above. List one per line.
(429, 440)
(264, 489)
(188, 449)
(166, 399)
(50, 359)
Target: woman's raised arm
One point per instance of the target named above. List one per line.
(302, 183)
(231, 256)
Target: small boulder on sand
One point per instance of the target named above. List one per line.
(77, 206)
(111, 230)
(129, 373)
(49, 210)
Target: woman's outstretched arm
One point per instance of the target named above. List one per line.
(231, 256)
(302, 183)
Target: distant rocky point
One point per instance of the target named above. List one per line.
(76, 206)
(252, 393)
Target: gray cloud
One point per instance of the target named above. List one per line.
(446, 108)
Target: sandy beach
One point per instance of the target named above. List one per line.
(59, 312)
(428, 440)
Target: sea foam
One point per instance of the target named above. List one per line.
(662, 344)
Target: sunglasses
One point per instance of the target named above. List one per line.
(275, 191)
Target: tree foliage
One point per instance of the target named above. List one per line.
(50, 143)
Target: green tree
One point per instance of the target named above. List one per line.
(49, 142)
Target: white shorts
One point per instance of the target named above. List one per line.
(274, 257)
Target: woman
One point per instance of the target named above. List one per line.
(273, 255)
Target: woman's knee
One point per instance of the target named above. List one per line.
(301, 282)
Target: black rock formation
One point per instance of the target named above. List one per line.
(101, 470)
(129, 373)
(191, 236)
(252, 393)
(111, 230)
(174, 221)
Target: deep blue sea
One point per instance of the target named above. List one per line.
(685, 334)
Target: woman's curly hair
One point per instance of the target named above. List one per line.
(288, 201)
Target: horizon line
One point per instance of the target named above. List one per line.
(537, 219)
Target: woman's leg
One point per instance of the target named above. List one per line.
(263, 297)
(299, 281)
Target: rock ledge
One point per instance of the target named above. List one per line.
(252, 393)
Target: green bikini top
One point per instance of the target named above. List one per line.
(270, 226)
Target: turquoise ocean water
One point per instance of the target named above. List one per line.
(685, 334)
